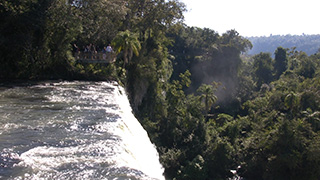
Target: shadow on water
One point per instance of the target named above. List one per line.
(7, 161)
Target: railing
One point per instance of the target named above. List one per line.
(98, 57)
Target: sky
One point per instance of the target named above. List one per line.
(255, 17)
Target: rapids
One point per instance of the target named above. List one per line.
(72, 130)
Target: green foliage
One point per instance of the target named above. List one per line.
(279, 152)
(210, 57)
(268, 122)
(262, 68)
(195, 169)
(128, 43)
(233, 39)
(306, 43)
(281, 61)
(291, 102)
(36, 36)
(283, 128)
(207, 95)
(100, 19)
(307, 68)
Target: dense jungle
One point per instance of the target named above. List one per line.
(307, 43)
(212, 110)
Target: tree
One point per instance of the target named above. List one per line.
(306, 43)
(291, 102)
(127, 42)
(233, 38)
(281, 61)
(22, 32)
(307, 68)
(100, 19)
(207, 95)
(153, 16)
(262, 68)
(35, 37)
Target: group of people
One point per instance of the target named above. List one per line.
(90, 52)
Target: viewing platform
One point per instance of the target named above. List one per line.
(98, 57)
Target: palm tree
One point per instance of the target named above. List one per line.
(207, 96)
(127, 42)
(291, 102)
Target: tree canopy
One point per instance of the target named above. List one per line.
(306, 43)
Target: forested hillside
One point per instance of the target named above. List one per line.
(309, 44)
(207, 110)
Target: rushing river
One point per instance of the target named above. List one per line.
(72, 130)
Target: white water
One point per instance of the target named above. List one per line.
(73, 130)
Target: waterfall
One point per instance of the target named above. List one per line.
(73, 130)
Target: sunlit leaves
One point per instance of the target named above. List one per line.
(127, 42)
(207, 95)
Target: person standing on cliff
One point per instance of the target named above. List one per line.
(109, 48)
(104, 55)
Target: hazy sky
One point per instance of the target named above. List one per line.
(255, 17)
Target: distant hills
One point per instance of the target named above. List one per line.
(306, 43)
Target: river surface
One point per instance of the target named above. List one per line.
(72, 130)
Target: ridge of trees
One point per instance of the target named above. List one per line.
(309, 44)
